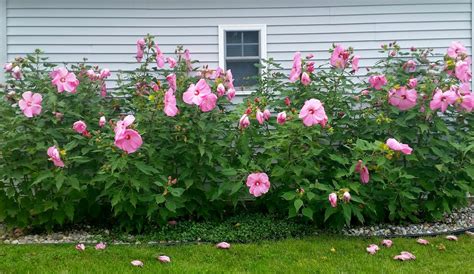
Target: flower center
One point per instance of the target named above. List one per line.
(196, 92)
(29, 104)
(257, 183)
(127, 137)
(311, 111)
(404, 96)
(63, 80)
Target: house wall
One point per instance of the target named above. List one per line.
(105, 31)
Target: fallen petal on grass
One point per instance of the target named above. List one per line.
(405, 256)
(422, 241)
(372, 249)
(451, 238)
(80, 247)
(223, 245)
(387, 243)
(164, 259)
(137, 263)
(100, 246)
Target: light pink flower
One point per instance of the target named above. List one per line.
(259, 117)
(387, 243)
(333, 199)
(170, 108)
(137, 263)
(195, 93)
(91, 74)
(451, 238)
(230, 94)
(305, 80)
(130, 141)
(122, 125)
(104, 73)
(377, 81)
(30, 104)
(102, 121)
(220, 90)
(244, 121)
(313, 113)
(54, 156)
(160, 58)
(216, 73)
(100, 246)
(258, 184)
(296, 68)
(405, 256)
(16, 73)
(372, 249)
(171, 62)
(339, 57)
(462, 71)
(412, 82)
(455, 49)
(281, 118)
(171, 79)
(402, 98)
(365, 92)
(346, 197)
(266, 114)
(355, 63)
(8, 67)
(164, 259)
(422, 241)
(223, 245)
(140, 49)
(467, 102)
(64, 80)
(80, 247)
(410, 66)
(208, 102)
(397, 146)
(443, 99)
(79, 127)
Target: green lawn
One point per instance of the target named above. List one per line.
(309, 255)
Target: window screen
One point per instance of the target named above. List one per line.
(242, 53)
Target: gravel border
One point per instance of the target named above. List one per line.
(459, 221)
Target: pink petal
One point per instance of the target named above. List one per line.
(223, 245)
(137, 263)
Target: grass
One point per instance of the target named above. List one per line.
(306, 255)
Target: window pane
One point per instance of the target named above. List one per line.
(233, 51)
(251, 50)
(242, 70)
(234, 37)
(251, 37)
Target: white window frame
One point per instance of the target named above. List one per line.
(261, 28)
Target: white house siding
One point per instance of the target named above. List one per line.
(105, 31)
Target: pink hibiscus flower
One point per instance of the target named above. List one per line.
(160, 58)
(410, 66)
(441, 100)
(305, 80)
(397, 146)
(170, 108)
(402, 98)
(30, 104)
(130, 141)
(244, 121)
(467, 102)
(377, 81)
(140, 49)
(412, 83)
(296, 68)
(339, 57)
(455, 49)
(208, 102)
(462, 71)
(171, 79)
(355, 63)
(79, 127)
(313, 113)
(332, 198)
(195, 93)
(258, 184)
(54, 156)
(171, 62)
(102, 121)
(281, 118)
(64, 80)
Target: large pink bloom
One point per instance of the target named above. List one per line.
(377, 81)
(402, 98)
(455, 49)
(171, 78)
(313, 113)
(54, 156)
(195, 93)
(258, 184)
(140, 49)
(129, 141)
(296, 69)
(397, 146)
(463, 71)
(79, 127)
(122, 125)
(64, 80)
(30, 104)
(467, 102)
(170, 108)
(208, 102)
(363, 172)
(339, 57)
(443, 99)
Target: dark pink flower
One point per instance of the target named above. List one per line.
(104, 73)
(412, 83)
(130, 141)
(8, 67)
(220, 90)
(387, 243)
(363, 172)
(79, 127)
(258, 184)
(266, 114)
(30, 104)
(410, 66)
(281, 118)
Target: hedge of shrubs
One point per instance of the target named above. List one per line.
(329, 143)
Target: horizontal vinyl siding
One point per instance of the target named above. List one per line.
(105, 31)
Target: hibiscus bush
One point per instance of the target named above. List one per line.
(327, 143)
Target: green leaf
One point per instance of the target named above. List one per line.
(290, 195)
(298, 204)
(177, 192)
(329, 211)
(469, 171)
(339, 159)
(171, 205)
(347, 213)
(149, 170)
(159, 199)
(308, 212)
(229, 172)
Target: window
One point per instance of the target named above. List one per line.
(240, 48)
